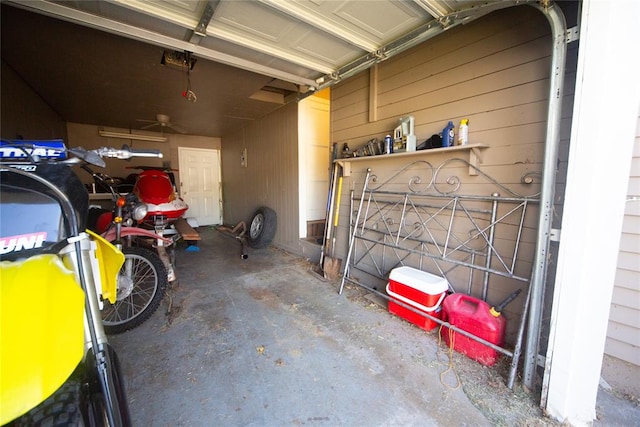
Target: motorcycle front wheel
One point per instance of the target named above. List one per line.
(142, 283)
(80, 401)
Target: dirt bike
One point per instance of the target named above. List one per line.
(143, 278)
(156, 187)
(56, 364)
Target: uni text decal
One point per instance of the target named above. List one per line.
(22, 242)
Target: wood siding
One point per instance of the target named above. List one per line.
(495, 72)
(271, 176)
(623, 334)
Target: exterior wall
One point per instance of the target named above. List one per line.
(623, 335)
(24, 113)
(494, 71)
(271, 176)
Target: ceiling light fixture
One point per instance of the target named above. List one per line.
(135, 136)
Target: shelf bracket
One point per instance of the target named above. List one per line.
(475, 157)
(346, 167)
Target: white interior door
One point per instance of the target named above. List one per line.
(200, 184)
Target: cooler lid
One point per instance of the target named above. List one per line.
(420, 280)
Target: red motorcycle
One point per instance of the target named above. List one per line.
(144, 277)
(155, 188)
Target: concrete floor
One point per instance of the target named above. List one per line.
(264, 342)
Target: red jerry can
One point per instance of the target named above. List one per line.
(478, 318)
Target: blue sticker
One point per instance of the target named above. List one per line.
(18, 150)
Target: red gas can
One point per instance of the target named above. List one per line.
(474, 316)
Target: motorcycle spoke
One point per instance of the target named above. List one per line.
(144, 286)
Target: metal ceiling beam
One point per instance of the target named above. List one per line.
(205, 18)
(294, 10)
(75, 16)
(201, 29)
(159, 12)
(253, 44)
(434, 8)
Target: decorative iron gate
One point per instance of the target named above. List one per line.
(481, 239)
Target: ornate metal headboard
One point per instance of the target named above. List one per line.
(479, 234)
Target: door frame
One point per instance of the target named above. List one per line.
(182, 166)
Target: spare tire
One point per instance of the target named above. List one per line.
(262, 227)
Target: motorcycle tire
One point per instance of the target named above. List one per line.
(96, 402)
(262, 228)
(141, 296)
(80, 400)
(62, 408)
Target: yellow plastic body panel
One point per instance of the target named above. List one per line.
(110, 260)
(41, 331)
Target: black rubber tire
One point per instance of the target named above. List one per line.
(62, 408)
(262, 228)
(149, 287)
(95, 403)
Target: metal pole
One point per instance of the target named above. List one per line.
(492, 232)
(538, 275)
(470, 284)
(517, 350)
(355, 230)
(350, 215)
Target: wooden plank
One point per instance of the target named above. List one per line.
(373, 93)
(624, 315)
(625, 297)
(622, 350)
(186, 231)
(628, 279)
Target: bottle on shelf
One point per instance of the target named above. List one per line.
(346, 151)
(448, 135)
(463, 132)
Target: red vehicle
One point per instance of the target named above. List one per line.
(156, 188)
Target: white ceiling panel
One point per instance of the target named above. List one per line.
(329, 51)
(254, 19)
(383, 21)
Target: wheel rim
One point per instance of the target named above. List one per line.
(144, 279)
(256, 226)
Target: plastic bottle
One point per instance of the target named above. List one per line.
(448, 135)
(388, 145)
(463, 132)
(346, 151)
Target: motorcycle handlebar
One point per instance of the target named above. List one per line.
(126, 153)
(32, 151)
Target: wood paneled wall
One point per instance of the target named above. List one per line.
(494, 71)
(623, 334)
(271, 176)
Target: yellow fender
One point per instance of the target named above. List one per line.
(110, 260)
(41, 331)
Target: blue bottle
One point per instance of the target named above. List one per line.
(448, 136)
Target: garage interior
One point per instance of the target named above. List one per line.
(251, 69)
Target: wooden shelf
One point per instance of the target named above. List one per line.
(474, 150)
